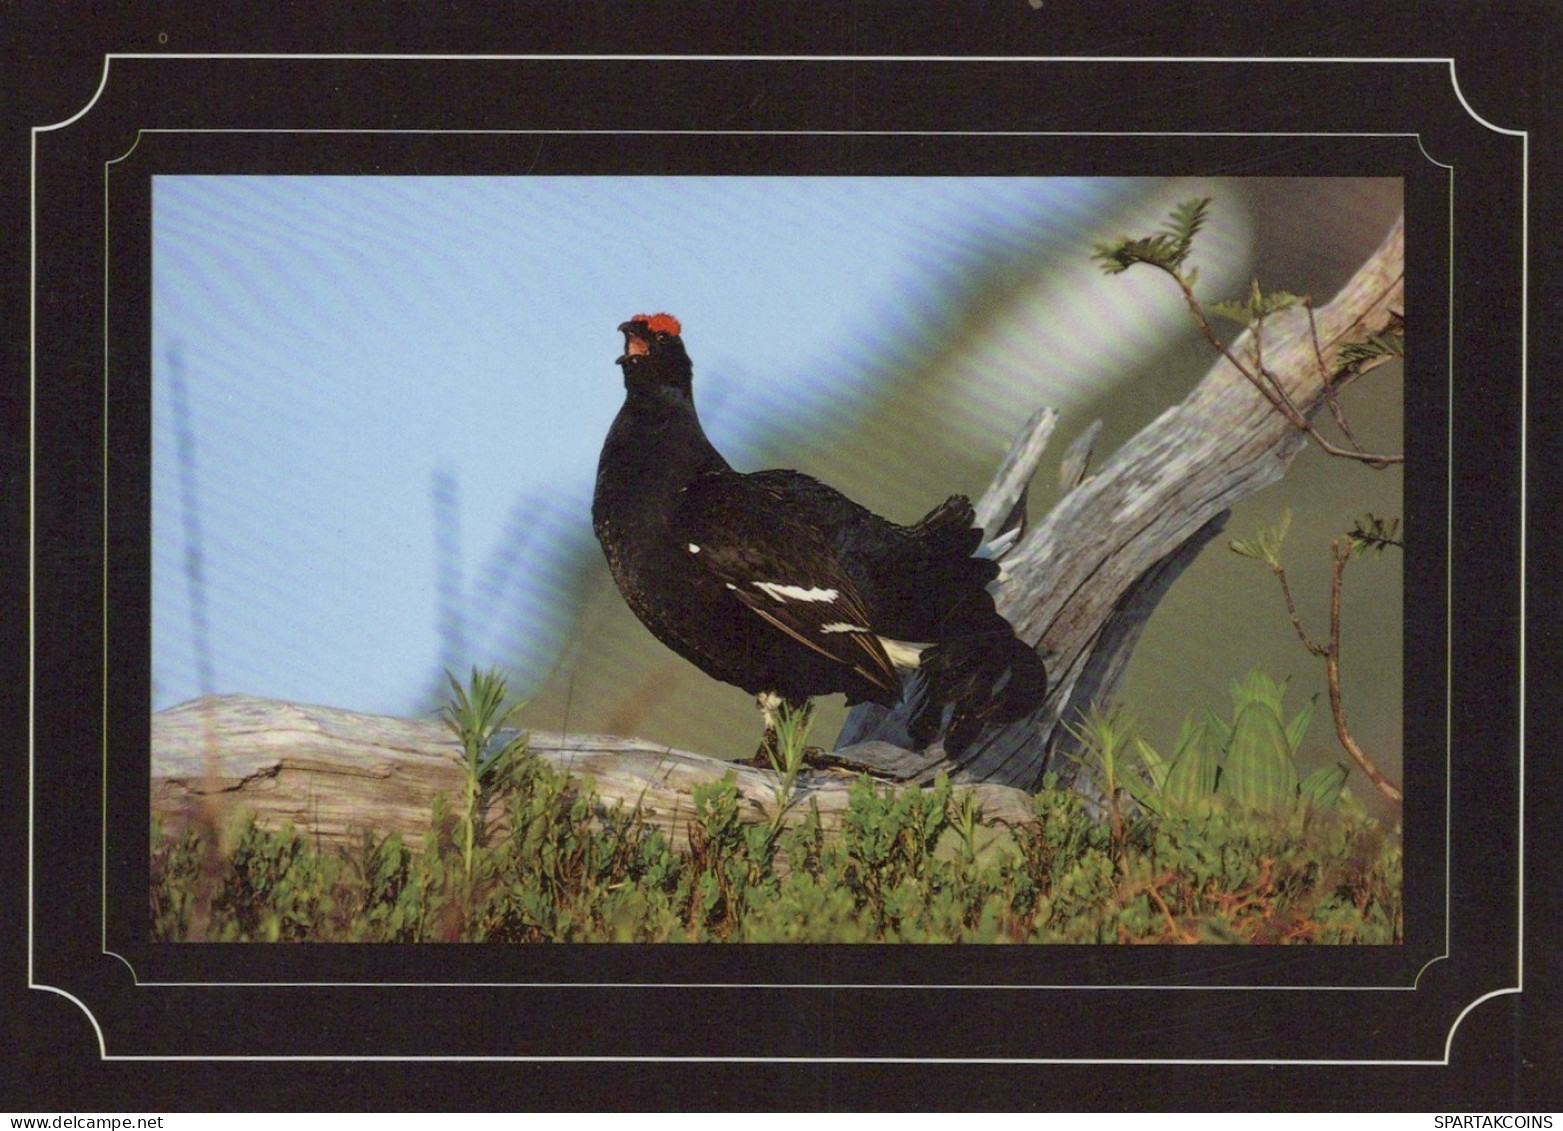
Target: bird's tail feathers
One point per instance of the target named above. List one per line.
(988, 678)
(952, 525)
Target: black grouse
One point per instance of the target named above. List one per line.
(785, 587)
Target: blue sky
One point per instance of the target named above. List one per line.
(331, 352)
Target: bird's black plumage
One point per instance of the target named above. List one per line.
(777, 583)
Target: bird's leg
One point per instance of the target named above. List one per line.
(769, 753)
(774, 709)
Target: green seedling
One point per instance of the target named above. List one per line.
(476, 715)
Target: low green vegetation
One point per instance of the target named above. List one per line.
(1218, 842)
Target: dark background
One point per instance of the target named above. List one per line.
(1505, 1054)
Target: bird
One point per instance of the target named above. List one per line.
(778, 584)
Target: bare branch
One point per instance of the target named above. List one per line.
(1342, 553)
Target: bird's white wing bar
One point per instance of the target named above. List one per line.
(866, 655)
(902, 653)
(784, 593)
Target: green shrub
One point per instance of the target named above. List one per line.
(1249, 761)
(897, 872)
(1216, 844)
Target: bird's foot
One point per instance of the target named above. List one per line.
(817, 758)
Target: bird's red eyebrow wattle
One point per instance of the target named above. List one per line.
(660, 323)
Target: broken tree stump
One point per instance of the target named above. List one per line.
(1083, 582)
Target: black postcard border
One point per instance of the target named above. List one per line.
(856, 1016)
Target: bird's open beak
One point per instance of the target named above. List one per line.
(634, 345)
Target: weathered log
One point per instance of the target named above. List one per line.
(1081, 585)
(335, 774)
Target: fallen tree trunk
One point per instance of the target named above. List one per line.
(334, 774)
